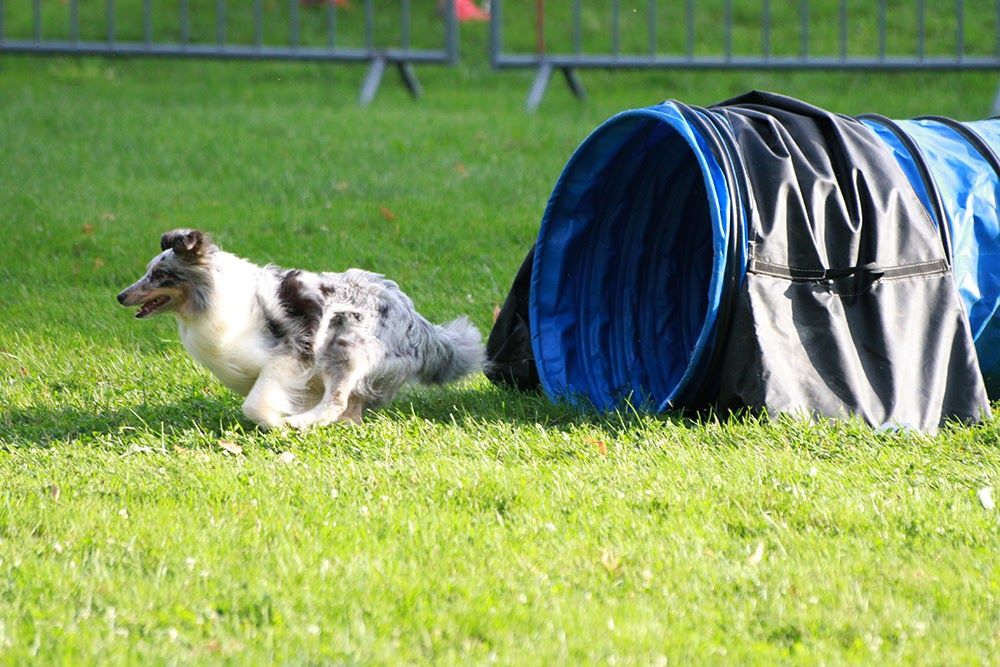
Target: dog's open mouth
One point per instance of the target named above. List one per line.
(152, 306)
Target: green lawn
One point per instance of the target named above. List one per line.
(460, 525)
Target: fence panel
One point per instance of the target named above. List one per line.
(569, 35)
(306, 30)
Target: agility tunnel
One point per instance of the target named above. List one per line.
(765, 253)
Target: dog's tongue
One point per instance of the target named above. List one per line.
(150, 306)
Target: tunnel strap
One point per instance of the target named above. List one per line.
(871, 270)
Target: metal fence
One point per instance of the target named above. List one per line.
(306, 30)
(733, 34)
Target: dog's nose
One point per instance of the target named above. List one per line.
(121, 298)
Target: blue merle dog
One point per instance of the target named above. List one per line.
(306, 349)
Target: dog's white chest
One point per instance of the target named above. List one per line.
(236, 357)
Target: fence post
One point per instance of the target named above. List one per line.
(545, 67)
(373, 79)
(496, 31)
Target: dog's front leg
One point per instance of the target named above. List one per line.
(271, 398)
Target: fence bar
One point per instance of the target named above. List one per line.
(496, 31)
(921, 29)
(754, 62)
(405, 20)
(370, 24)
(74, 20)
(767, 29)
(147, 21)
(36, 19)
(539, 26)
(616, 37)
(843, 29)
(557, 61)
(804, 37)
(231, 52)
(293, 22)
(689, 28)
(258, 23)
(578, 28)
(651, 20)
(882, 20)
(185, 22)
(960, 28)
(451, 34)
(220, 22)
(331, 24)
(111, 21)
(728, 30)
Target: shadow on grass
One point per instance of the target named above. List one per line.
(484, 405)
(42, 426)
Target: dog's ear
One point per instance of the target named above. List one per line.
(188, 244)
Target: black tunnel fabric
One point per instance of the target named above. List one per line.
(848, 305)
(842, 300)
(508, 348)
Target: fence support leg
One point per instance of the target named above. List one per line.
(996, 103)
(574, 82)
(410, 79)
(539, 86)
(372, 81)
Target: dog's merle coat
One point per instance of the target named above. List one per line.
(304, 348)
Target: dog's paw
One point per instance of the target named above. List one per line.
(272, 424)
(298, 422)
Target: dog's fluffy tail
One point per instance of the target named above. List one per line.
(454, 351)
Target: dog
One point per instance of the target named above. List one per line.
(305, 349)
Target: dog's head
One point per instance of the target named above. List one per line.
(176, 280)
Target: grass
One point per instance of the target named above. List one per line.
(460, 525)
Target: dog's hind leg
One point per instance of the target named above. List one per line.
(355, 410)
(348, 356)
(336, 404)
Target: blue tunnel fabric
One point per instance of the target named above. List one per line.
(688, 255)
(636, 219)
